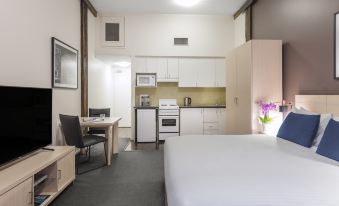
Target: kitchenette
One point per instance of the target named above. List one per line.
(177, 96)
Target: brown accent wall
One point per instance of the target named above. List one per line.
(307, 30)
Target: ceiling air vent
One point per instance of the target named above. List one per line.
(180, 41)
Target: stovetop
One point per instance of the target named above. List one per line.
(168, 104)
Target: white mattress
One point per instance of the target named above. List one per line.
(247, 170)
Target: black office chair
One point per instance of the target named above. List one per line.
(97, 113)
(73, 136)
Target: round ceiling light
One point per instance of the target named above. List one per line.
(187, 3)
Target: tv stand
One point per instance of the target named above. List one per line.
(44, 174)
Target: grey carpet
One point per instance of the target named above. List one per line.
(135, 178)
(97, 157)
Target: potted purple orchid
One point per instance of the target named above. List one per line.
(265, 108)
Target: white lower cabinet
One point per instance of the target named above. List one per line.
(146, 125)
(210, 115)
(202, 121)
(222, 121)
(191, 121)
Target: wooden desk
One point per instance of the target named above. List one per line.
(110, 124)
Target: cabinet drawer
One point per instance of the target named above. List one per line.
(21, 194)
(211, 132)
(211, 126)
(66, 170)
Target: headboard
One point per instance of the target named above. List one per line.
(319, 103)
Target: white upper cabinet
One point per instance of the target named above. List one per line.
(167, 69)
(161, 69)
(202, 72)
(188, 72)
(140, 65)
(206, 72)
(152, 65)
(173, 68)
(220, 73)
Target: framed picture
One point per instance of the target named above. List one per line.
(113, 31)
(336, 45)
(64, 65)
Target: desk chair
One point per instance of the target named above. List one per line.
(96, 113)
(73, 136)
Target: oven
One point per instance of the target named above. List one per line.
(168, 124)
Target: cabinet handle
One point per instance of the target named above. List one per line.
(59, 174)
(30, 195)
(236, 100)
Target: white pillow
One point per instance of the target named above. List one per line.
(324, 119)
(336, 119)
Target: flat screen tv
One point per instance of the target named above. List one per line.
(25, 121)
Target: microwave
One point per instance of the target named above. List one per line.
(146, 79)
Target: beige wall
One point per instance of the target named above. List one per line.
(25, 51)
(200, 96)
(152, 35)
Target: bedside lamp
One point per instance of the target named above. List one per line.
(284, 108)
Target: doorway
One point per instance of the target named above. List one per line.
(109, 86)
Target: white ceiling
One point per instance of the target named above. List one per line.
(228, 7)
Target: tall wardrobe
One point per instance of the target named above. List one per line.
(254, 72)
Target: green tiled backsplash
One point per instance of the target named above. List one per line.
(200, 96)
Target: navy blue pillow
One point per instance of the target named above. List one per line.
(299, 128)
(329, 144)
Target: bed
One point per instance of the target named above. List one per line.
(249, 170)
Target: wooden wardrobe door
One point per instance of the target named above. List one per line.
(244, 89)
(231, 89)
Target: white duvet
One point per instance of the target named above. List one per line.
(247, 170)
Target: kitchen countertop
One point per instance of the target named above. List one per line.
(204, 106)
(194, 106)
(146, 107)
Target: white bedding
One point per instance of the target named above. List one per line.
(247, 170)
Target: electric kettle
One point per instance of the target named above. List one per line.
(187, 101)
